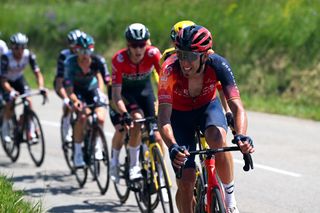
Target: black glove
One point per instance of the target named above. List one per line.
(126, 118)
(242, 138)
(173, 151)
(43, 91)
(230, 121)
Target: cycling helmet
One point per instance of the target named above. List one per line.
(194, 38)
(19, 39)
(178, 26)
(73, 36)
(85, 42)
(137, 32)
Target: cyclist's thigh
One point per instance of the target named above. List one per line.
(146, 102)
(183, 126)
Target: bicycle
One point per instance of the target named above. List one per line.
(19, 131)
(209, 192)
(155, 181)
(99, 168)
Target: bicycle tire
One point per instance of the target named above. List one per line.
(160, 167)
(36, 149)
(12, 149)
(100, 167)
(66, 148)
(217, 204)
(81, 173)
(122, 187)
(199, 193)
(142, 188)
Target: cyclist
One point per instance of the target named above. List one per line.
(187, 99)
(58, 82)
(132, 93)
(3, 49)
(13, 82)
(83, 87)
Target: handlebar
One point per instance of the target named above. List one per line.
(29, 94)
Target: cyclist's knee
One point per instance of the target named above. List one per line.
(215, 137)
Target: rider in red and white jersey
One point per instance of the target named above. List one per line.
(132, 93)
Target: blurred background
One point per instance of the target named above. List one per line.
(272, 46)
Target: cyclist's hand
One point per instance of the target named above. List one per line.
(244, 142)
(13, 94)
(67, 103)
(178, 155)
(127, 120)
(78, 105)
(44, 93)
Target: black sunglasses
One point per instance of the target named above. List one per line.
(188, 55)
(136, 45)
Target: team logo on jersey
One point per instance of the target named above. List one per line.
(152, 52)
(120, 58)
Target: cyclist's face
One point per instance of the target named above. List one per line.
(137, 51)
(189, 62)
(18, 51)
(84, 58)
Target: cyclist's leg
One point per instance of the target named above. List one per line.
(183, 125)
(215, 132)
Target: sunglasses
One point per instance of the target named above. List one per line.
(84, 51)
(187, 55)
(17, 47)
(136, 45)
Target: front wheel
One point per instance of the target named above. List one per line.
(217, 204)
(12, 148)
(35, 139)
(163, 181)
(100, 161)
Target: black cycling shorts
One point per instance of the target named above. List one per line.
(185, 123)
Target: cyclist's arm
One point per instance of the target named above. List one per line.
(60, 88)
(40, 79)
(223, 100)
(4, 68)
(165, 128)
(239, 115)
(117, 99)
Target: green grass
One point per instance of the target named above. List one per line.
(12, 201)
(272, 46)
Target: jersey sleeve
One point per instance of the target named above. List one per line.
(166, 82)
(116, 69)
(4, 63)
(60, 65)
(103, 69)
(225, 76)
(68, 74)
(33, 62)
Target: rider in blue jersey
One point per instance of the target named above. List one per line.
(81, 80)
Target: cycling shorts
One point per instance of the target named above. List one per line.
(185, 124)
(19, 85)
(90, 96)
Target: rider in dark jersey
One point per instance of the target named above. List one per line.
(81, 80)
(13, 82)
(58, 82)
(132, 92)
(187, 100)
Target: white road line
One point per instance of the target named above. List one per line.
(260, 166)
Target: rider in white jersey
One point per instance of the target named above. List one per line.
(12, 79)
(3, 47)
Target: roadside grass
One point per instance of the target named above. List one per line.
(13, 201)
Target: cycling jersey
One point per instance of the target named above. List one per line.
(128, 74)
(173, 86)
(64, 54)
(73, 75)
(11, 69)
(3, 47)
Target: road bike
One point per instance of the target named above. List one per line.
(154, 186)
(208, 191)
(99, 168)
(27, 129)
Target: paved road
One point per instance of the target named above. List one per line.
(285, 178)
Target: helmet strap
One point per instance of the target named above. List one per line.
(201, 64)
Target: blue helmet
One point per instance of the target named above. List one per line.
(85, 42)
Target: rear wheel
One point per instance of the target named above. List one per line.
(66, 148)
(121, 186)
(162, 179)
(36, 143)
(100, 166)
(217, 204)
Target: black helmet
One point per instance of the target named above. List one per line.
(137, 32)
(19, 39)
(73, 36)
